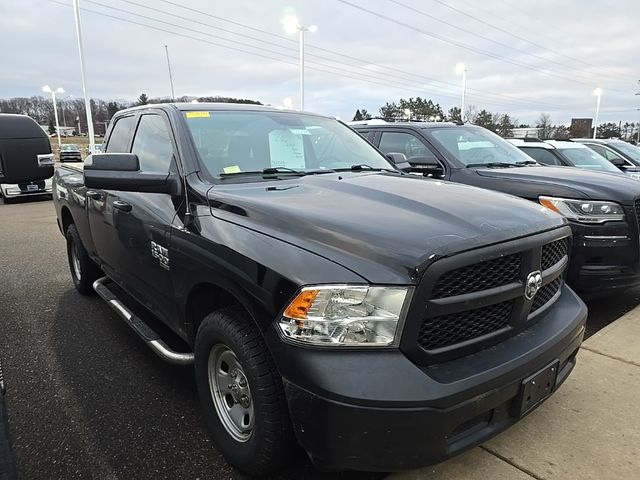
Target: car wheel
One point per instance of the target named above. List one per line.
(241, 393)
(83, 270)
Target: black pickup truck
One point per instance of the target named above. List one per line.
(380, 320)
(603, 209)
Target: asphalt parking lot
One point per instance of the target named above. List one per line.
(86, 398)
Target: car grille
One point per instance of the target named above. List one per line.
(545, 294)
(553, 252)
(24, 186)
(494, 304)
(481, 276)
(455, 328)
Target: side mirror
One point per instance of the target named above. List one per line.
(25, 151)
(396, 158)
(618, 162)
(121, 171)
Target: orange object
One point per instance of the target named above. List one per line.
(549, 204)
(300, 306)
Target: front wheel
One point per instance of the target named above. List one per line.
(83, 270)
(241, 393)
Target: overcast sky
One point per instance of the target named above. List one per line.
(523, 57)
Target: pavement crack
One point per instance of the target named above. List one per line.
(524, 470)
(613, 357)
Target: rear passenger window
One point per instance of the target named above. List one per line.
(120, 134)
(152, 144)
(542, 155)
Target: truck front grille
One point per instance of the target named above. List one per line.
(481, 276)
(553, 252)
(462, 306)
(545, 294)
(450, 329)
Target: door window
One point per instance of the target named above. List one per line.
(541, 155)
(152, 144)
(399, 142)
(120, 134)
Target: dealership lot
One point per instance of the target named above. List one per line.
(89, 400)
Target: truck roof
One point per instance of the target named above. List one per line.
(421, 125)
(190, 107)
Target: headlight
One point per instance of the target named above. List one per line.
(345, 315)
(584, 211)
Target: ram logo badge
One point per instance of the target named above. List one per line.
(533, 284)
(161, 253)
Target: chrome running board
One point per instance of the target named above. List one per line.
(148, 335)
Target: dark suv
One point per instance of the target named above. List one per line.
(602, 208)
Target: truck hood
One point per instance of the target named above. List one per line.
(562, 181)
(384, 227)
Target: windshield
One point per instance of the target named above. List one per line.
(629, 150)
(474, 146)
(69, 147)
(587, 158)
(238, 142)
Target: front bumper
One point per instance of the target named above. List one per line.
(13, 191)
(605, 257)
(378, 411)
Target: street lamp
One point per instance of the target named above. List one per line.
(461, 69)
(291, 25)
(64, 120)
(598, 93)
(47, 89)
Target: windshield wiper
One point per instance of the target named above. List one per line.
(493, 165)
(527, 162)
(364, 167)
(276, 171)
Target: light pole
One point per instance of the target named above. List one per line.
(291, 25)
(83, 73)
(48, 89)
(598, 93)
(63, 100)
(173, 95)
(461, 69)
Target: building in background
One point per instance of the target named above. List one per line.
(526, 132)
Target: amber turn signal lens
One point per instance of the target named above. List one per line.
(300, 306)
(549, 204)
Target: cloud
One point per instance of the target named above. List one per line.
(355, 60)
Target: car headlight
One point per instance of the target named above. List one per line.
(584, 211)
(345, 315)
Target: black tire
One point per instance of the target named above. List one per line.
(85, 271)
(271, 440)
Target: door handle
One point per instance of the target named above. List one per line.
(94, 195)
(123, 206)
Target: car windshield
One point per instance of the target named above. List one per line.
(587, 158)
(239, 142)
(474, 146)
(629, 150)
(69, 147)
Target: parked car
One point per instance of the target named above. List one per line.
(376, 318)
(565, 153)
(7, 460)
(70, 152)
(97, 148)
(26, 161)
(622, 154)
(602, 208)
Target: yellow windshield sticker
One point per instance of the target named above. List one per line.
(198, 115)
(232, 168)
